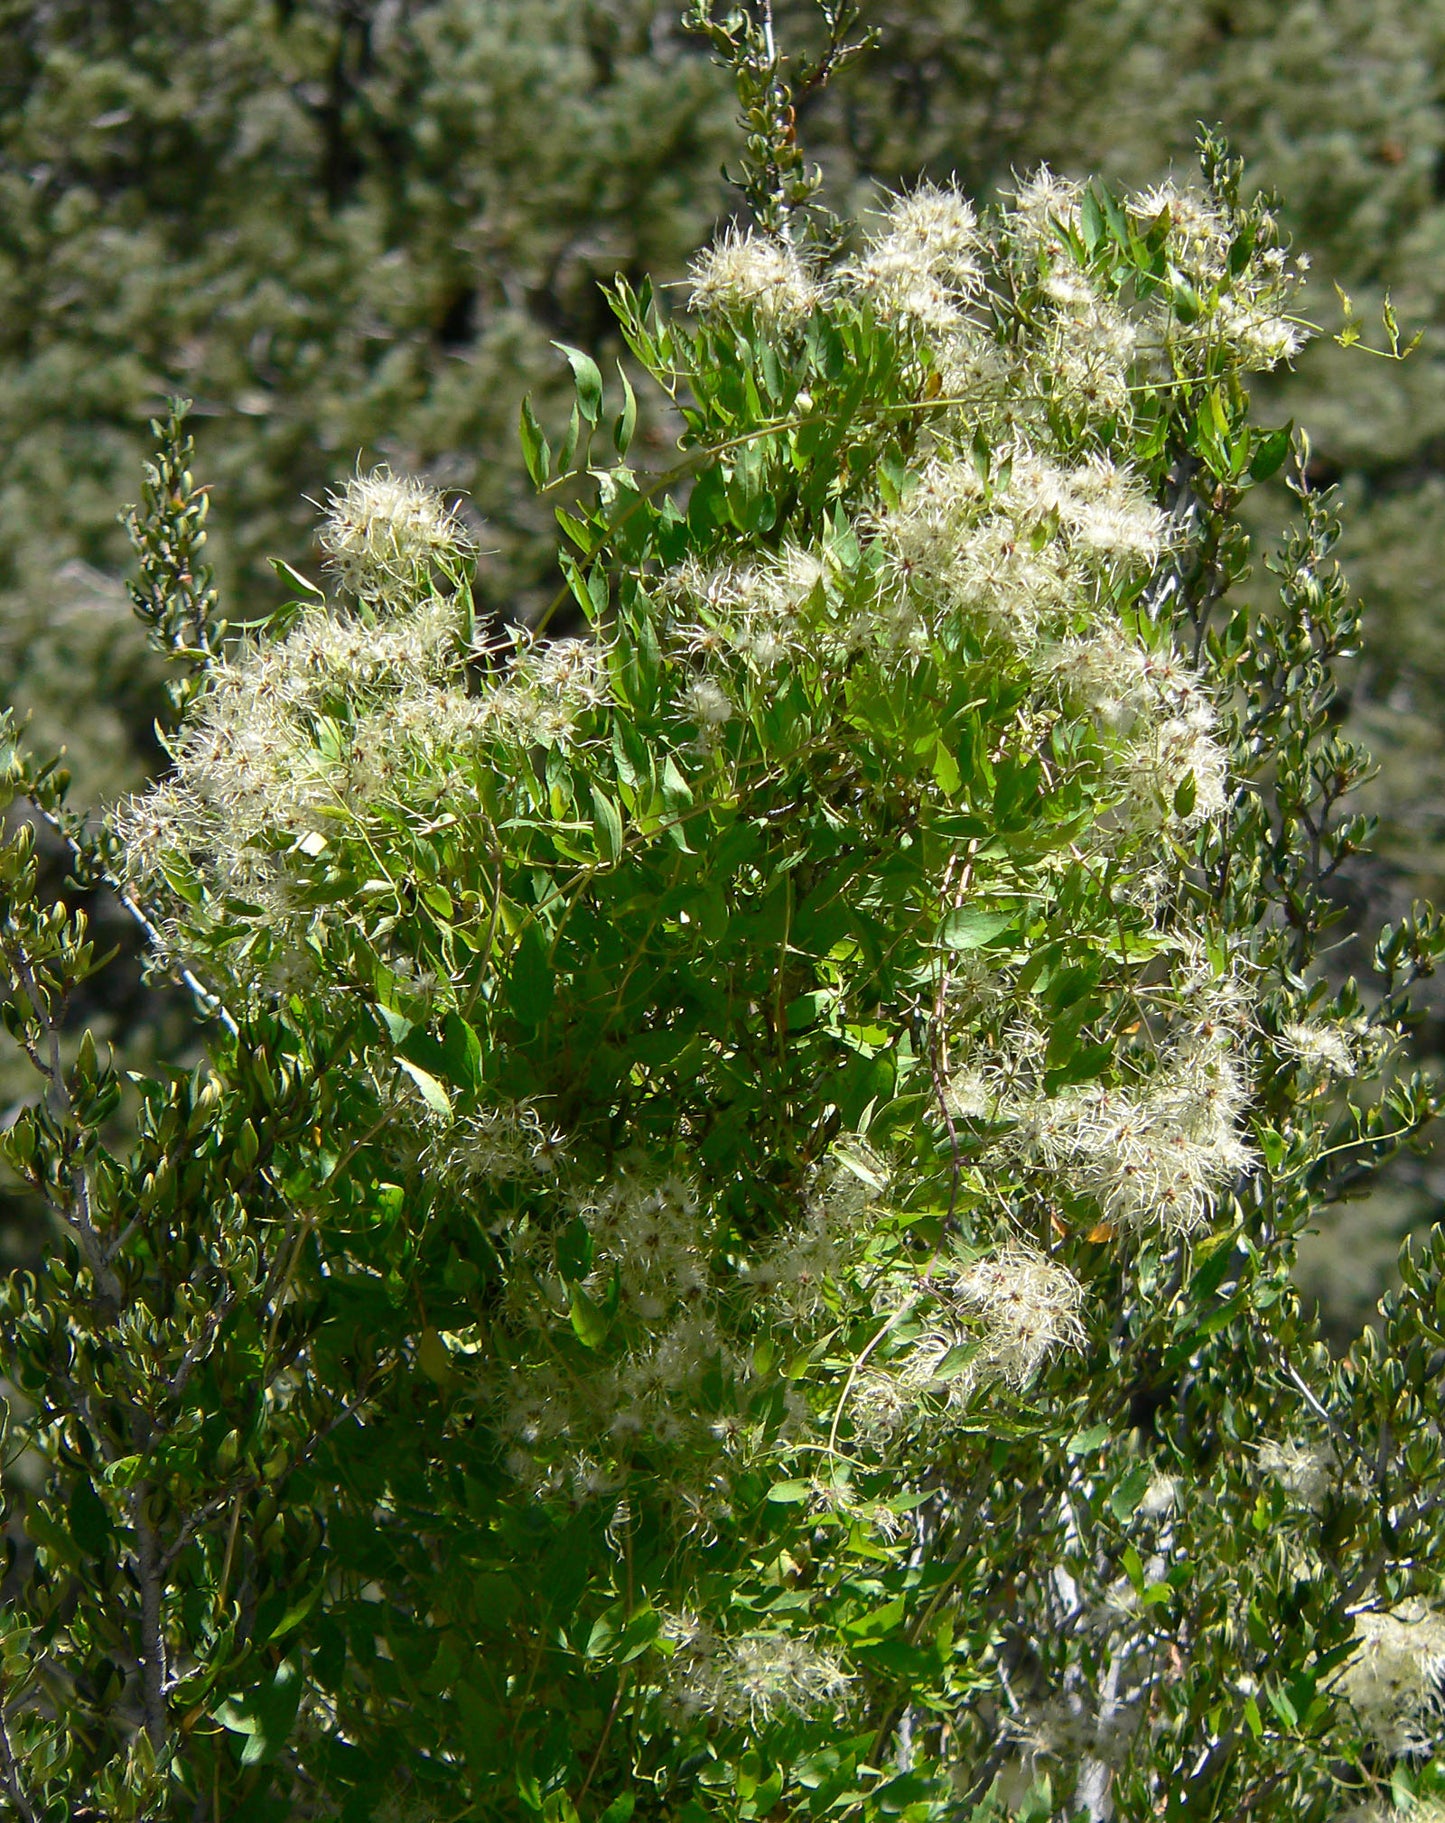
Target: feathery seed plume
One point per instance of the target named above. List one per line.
(750, 271)
(384, 532)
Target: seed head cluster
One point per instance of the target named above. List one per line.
(1029, 1307)
(383, 531)
(352, 713)
(1395, 1680)
(751, 272)
(750, 1679)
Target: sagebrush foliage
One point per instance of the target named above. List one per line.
(732, 1253)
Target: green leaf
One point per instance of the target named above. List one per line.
(576, 529)
(1113, 214)
(957, 1361)
(532, 986)
(432, 1092)
(607, 822)
(1084, 1443)
(589, 381)
(790, 1493)
(570, 438)
(1282, 1706)
(676, 792)
(536, 451)
(1241, 249)
(575, 1250)
(945, 770)
(589, 1323)
(461, 1052)
(1124, 1498)
(1217, 1257)
(1188, 304)
(626, 426)
(396, 1023)
(620, 1809)
(973, 926)
(1270, 450)
(89, 1521)
(265, 1715)
(304, 583)
(640, 1632)
(297, 1612)
(1082, 1063)
(433, 1357)
(603, 1631)
(1091, 220)
(878, 1622)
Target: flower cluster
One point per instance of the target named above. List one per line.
(299, 738)
(1155, 1156)
(999, 1317)
(1317, 1046)
(1029, 1307)
(747, 271)
(1161, 718)
(651, 1237)
(923, 269)
(502, 1145)
(1395, 1680)
(750, 1679)
(1252, 315)
(383, 532)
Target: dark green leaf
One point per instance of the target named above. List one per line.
(89, 1521)
(589, 381)
(1269, 453)
(973, 926)
(532, 984)
(607, 822)
(536, 452)
(626, 426)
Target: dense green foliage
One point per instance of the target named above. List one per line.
(731, 1255)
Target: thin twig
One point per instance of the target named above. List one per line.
(10, 1776)
(153, 1641)
(78, 1215)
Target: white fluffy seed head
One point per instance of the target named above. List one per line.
(923, 269)
(747, 271)
(1042, 203)
(1155, 1156)
(942, 224)
(549, 689)
(383, 533)
(1307, 1470)
(753, 1678)
(1029, 1306)
(1318, 1046)
(709, 704)
(1394, 1681)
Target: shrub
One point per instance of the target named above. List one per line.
(731, 1254)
